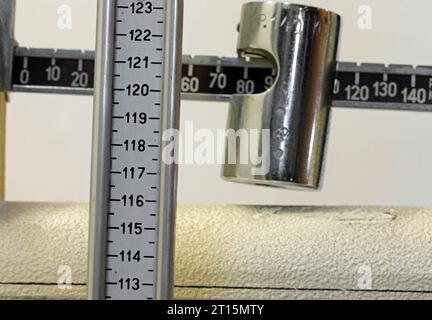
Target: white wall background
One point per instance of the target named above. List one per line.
(374, 157)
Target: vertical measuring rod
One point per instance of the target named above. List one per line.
(133, 196)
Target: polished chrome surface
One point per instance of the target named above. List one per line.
(301, 42)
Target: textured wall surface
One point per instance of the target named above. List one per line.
(236, 252)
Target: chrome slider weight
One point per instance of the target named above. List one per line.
(302, 42)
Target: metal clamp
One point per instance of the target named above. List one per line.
(292, 116)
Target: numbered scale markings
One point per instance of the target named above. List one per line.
(213, 78)
(135, 152)
(378, 86)
(131, 248)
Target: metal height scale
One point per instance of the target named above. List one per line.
(136, 80)
(133, 192)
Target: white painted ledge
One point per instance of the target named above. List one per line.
(237, 252)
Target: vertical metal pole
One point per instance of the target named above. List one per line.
(111, 275)
(99, 201)
(171, 116)
(7, 45)
(7, 42)
(3, 100)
